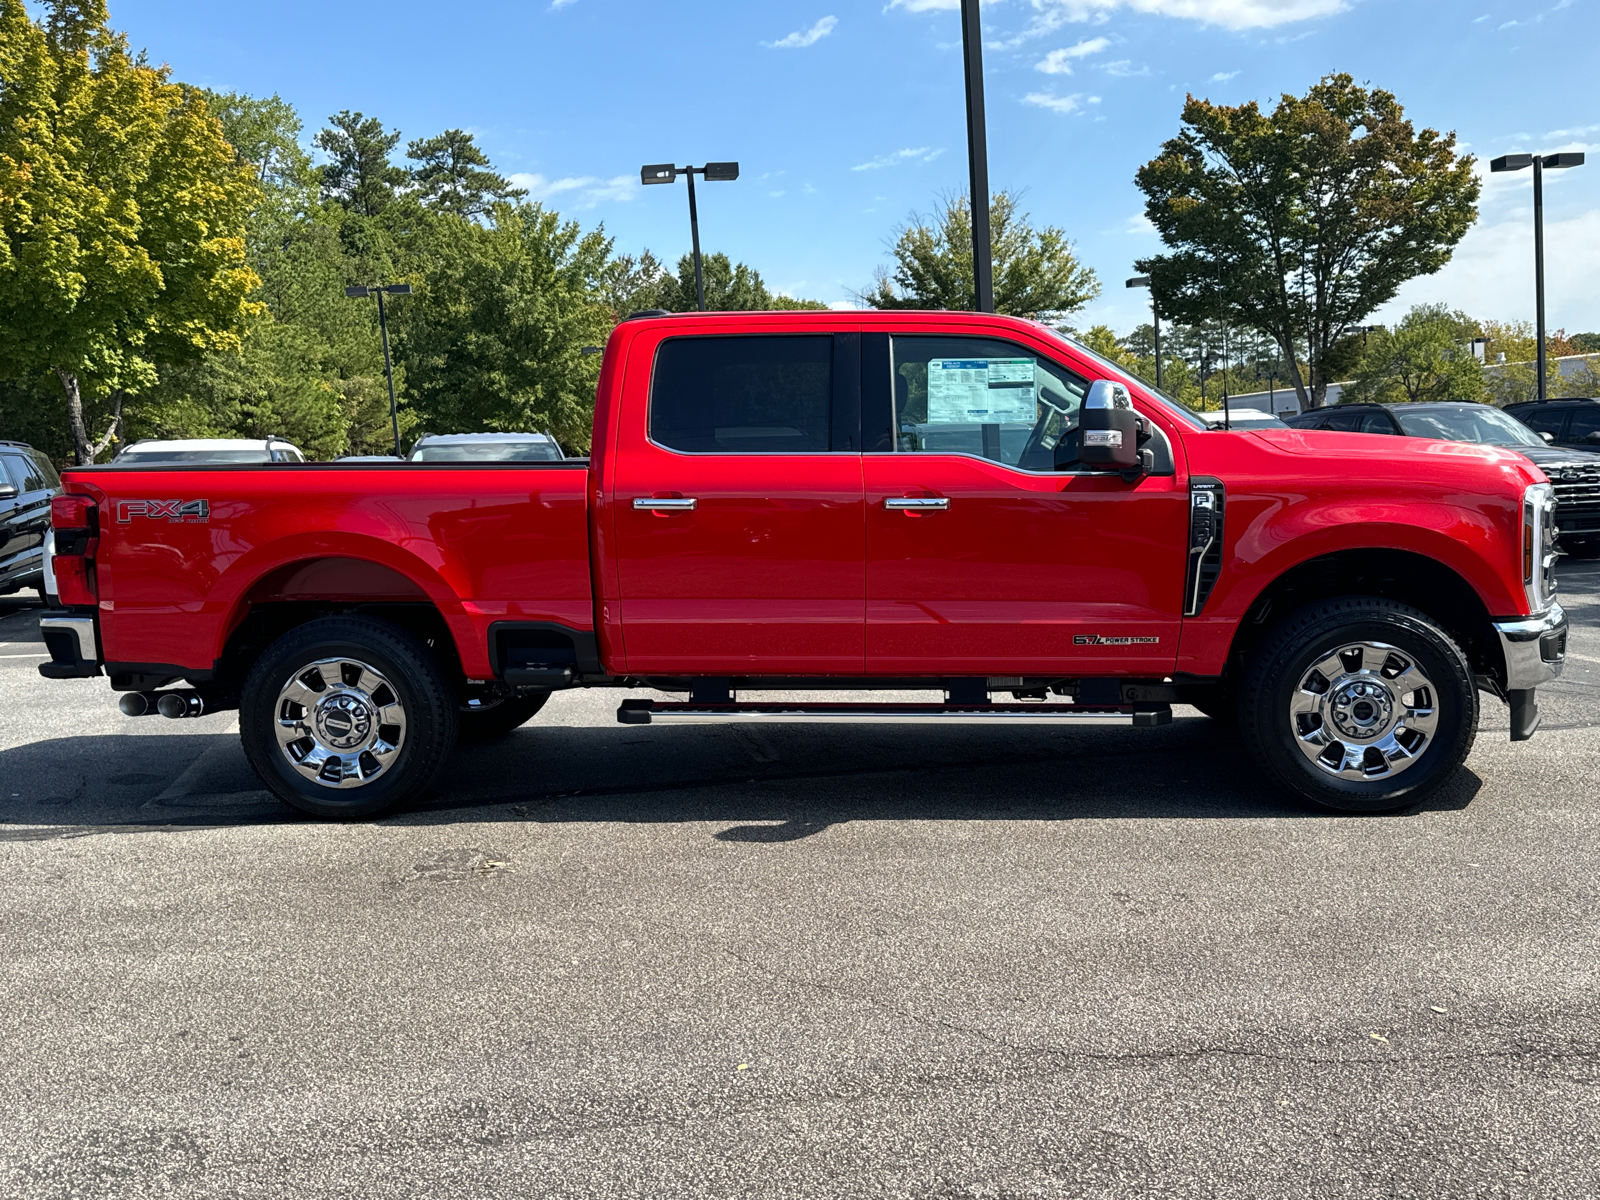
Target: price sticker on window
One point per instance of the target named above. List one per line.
(981, 391)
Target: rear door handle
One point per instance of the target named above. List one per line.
(665, 503)
(917, 503)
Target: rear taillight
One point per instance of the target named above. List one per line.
(75, 520)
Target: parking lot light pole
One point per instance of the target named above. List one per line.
(1143, 281)
(717, 172)
(361, 292)
(977, 157)
(1519, 162)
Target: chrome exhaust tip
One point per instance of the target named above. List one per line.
(137, 704)
(178, 705)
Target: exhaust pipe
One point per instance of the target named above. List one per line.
(137, 704)
(177, 705)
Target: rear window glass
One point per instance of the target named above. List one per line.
(488, 452)
(742, 395)
(1585, 424)
(1542, 420)
(136, 458)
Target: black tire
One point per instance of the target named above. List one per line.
(490, 721)
(423, 705)
(1280, 677)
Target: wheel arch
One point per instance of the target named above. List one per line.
(1424, 583)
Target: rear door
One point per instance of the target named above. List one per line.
(26, 519)
(736, 499)
(984, 557)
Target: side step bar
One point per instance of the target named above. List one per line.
(655, 712)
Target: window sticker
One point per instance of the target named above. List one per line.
(981, 391)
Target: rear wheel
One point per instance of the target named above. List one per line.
(484, 722)
(346, 716)
(1359, 704)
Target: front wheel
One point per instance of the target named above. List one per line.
(346, 716)
(1360, 704)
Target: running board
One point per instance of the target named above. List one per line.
(655, 712)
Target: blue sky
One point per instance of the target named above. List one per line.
(848, 116)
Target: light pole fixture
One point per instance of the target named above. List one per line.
(361, 292)
(977, 158)
(717, 172)
(1143, 281)
(1520, 162)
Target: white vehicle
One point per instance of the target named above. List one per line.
(487, 447)
(152, 451)
(1241, 418)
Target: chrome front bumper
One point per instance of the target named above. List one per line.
(1535, 648)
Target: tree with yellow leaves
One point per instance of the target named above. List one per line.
(122, 214)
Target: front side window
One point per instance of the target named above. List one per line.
(1543, 420)
(743, 395)
(24, 474)
(984, 397)
(1585, 425)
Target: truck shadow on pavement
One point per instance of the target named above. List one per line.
(778, 784)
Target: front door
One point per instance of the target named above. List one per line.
(989, 552)
(737, 507)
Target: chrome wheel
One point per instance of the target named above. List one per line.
(340, 723)
(1366, 711)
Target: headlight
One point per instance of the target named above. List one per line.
(1539, 546)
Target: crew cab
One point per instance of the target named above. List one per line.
(833, 505)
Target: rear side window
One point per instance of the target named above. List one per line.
(47, 469)
(742, 395)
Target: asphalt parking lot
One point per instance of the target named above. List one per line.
(813, 961)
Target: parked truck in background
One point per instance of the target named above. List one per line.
(834, 504)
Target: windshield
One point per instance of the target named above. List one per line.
(140, 457)
(488, 452)
(1178, 409)
(1480, 423)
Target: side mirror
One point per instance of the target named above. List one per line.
(1593, 437)
(1549, 438)
(7, 492)
(1108, 428)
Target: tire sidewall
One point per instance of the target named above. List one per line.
(1311, 637)
(297, 650)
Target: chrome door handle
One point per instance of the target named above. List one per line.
(665, 504)
(917, 503)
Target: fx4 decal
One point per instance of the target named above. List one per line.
(1095, 639)
(179, 512)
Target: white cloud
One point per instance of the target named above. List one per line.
(919, 154)
(1223, 76)
(1057, 61)
(1230, 14)
(578, 191)
(556, 5)
(1123, 68)
(1141, 226)
(925, 5)
(801, 38)
(1061, 104)
(1491, 274)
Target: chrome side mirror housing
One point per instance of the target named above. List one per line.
(1108, 428)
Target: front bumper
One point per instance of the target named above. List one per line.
(74, 652)
(1535, 648)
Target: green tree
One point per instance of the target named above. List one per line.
(453, 174)
(632, 283)
(730, 287)
(360, 177)
(122, 211)
(493, 339)
(1035, 272)
(1301, 222)
(1427, 356)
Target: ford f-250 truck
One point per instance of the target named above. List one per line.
(832, 503)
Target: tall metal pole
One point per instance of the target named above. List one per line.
(694, 232)
(1155, 317)
(977, 157)
(388, 371)
(1538, 260)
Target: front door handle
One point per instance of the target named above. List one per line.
(665, 503)
(917, 503)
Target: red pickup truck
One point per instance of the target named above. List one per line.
(829, 504)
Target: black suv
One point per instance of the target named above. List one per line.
(27, 484)
(1568, 422)
(1574, 473)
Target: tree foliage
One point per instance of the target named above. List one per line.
(1301, 222)
(1427, 356)
(453, 174)
(730, 287)
(122, 214)
(1035, 272)
(359, 174)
